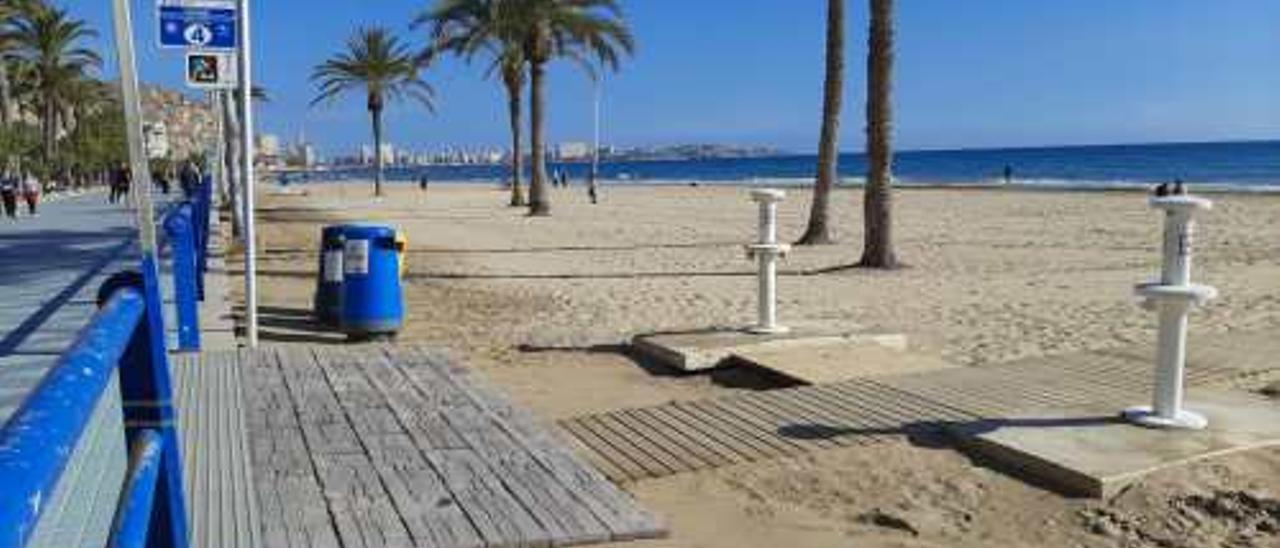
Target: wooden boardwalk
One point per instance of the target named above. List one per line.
(400, 447)
(634, 444)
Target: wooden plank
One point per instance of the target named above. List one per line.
(697, 454)
(808, 422)
(211, 428)
(294, 511)
(876, 409)
(870, 417)
(246, 522)
(617, 466)
(610, 505)
(360, 507)
(933, 407)
(724, 447)
(768, 422)
(426, 506)
(498, 518)
(619, 432)
(734, 440)
(547, 500)
(747, 431)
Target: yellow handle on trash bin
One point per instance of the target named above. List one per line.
(402, 243)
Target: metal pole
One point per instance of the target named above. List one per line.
(247, 180)
(219, 159)
(595, 149)
(144, 211)
(145, 386)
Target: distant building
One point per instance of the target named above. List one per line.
(155, 137)
(388, 153)
(304, 156)
(268, 145)
(573, 151)
(268, 151)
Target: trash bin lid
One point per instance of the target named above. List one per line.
(331, 233)
(367, 231)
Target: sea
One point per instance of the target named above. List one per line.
(1252, 166)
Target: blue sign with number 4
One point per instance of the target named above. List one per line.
(197, 27)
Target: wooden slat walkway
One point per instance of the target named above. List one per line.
(216, 473)
(634, 444)
(401, 447)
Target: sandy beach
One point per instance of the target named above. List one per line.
(543, 307)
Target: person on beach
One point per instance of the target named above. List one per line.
(9, 193)
(1008, 174)
(422, 183)
(31, 193)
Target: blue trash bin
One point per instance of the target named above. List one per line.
(372, 300)
(328, 298)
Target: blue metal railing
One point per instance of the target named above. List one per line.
(186, 226)
(38, 440)
(126, 338)
(181, 229)
(133, 519)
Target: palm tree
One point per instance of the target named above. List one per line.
(818, 231)
(48, 41)
(468, 27)
(384, 68)
(572, 29)
(9, 12)
(877, 249)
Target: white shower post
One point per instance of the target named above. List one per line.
(1173, 297)
(766, 252)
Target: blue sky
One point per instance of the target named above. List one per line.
(978, 73)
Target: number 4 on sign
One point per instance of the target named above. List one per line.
(198, 35)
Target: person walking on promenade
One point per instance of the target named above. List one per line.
(9, 192)
(120, 179)
(31, 193)
(189, 179)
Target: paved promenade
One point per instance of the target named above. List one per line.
(50, 268)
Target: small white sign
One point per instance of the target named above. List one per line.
(211, 70)
(355, 260)
(333, 266)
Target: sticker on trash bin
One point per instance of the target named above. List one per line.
(333, 266)
(356, 257)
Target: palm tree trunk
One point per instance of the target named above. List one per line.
(877, 206)
(376, 113)
(538, 203)
(231, 125)
(6, 96)
(517, 146)
(49, 124)
(819, 232)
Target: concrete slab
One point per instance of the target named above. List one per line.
(834, 359)
(810, 353)
(1090, 451)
